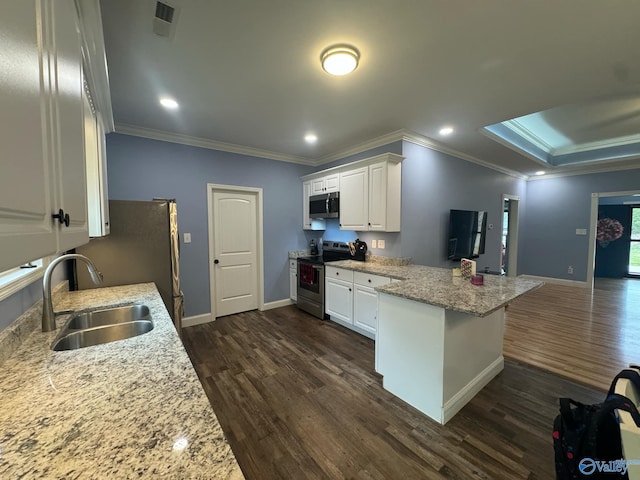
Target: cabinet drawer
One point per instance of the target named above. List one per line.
(293, 263)
(339, 274)
(370, 280)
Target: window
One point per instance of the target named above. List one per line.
(16, 279)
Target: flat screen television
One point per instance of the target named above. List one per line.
(467, 232)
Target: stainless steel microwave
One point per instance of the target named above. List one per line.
(326, 205)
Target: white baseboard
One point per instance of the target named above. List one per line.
(277, 304)
(557, 281)
(460, 399)
(196, 320)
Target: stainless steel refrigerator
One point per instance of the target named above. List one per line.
(143, 246)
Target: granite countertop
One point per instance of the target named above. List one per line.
(127, 409)
(437, 286)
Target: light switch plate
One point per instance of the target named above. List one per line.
(374, 244)
(581, 231)
(380, 243)
(187, 238)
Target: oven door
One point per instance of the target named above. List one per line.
(310, 278)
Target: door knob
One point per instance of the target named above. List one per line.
(216, 261)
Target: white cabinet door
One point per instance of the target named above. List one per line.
(365, 308)
(96, 167)
(378, 196)
(332, 183)
(354, 194)
(309, 223)
(317, 186)
(26, 229)
(365, 300)
(66, 94)
(339, 299)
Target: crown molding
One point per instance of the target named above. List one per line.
(527, 134)
(427, 142)
(362, 147)
(181, 139)
(583, 171)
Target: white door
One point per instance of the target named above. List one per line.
(235, 252)
(339, 300)
(378, 196)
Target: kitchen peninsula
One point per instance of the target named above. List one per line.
(439, 338)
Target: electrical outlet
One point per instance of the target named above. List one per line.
(187, 238)
(570, 270)
(374, 244)
(380, 243)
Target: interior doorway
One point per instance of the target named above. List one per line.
(634, 247)
(509, 243)
(235, 249)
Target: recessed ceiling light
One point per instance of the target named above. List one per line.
(311, 138)
(446, 130)
(169, 103)
(340, 59)
(540, 172)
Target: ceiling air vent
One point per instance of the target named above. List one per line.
(163, 22)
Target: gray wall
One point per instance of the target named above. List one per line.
(555, 207)
(140, 169)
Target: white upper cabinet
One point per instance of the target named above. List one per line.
(307, 222)
(370, 193)
(68, 114)
(327, 184)
(384, 196)
(42, 134)
(354, 206)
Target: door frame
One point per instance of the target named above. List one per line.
(257, 192)
(593, 224)
(514, 221)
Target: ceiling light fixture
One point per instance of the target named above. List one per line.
(446, 131)
(169, 103)
(540, 172)
(311, 138)
(340, 59)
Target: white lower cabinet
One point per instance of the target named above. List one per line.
(351, 299)
(339, 294)
(293, 280)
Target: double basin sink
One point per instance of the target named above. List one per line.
(105, 325)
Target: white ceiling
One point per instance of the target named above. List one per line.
(247, 72)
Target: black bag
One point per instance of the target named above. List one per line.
(586, 438)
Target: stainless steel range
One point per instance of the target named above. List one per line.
(311, 276)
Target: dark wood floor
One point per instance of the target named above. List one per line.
(298, 398)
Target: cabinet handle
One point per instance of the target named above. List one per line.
(337, 273)
(62, 217)
(216, 261)
(349, 289)
(369, 280)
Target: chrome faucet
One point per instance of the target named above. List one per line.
(48, 315)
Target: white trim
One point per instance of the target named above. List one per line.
(423, 141)
(589, 171)
(513, 230)
(558, 281)
(209, 144)
(587, 147)
(277, 304)
(197, 320)
(527, 134)
(363, 147)
(211, 187)
(95, 59)
(471, 389)
(506, 143)
(593, 223)
(16, 279)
